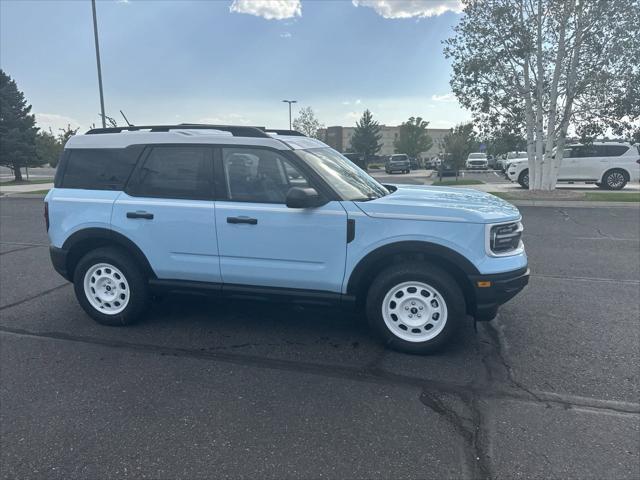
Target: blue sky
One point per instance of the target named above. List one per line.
(232, 61)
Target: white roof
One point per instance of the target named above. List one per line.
(141, 137)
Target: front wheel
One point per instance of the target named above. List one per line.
(415, 308)
(110, 287)
(523, 179)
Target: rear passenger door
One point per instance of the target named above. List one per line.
(168, 210)
(262, 241)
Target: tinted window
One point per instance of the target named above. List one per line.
(176, 172)
(615, 150)
(261, 176)
(98, 169)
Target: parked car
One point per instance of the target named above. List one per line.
(477, 161)
(398, 163)
(358, 158)
(447, 167)
(236, 211)
(503, 162)
(610, 165)
(415, 163)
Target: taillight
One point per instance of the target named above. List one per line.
(46, 215)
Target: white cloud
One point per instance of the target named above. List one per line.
(285, 35)
(353, 116)
(226, 119)
(410, 8)
(54, 122)
(269, 9)
(447, 97)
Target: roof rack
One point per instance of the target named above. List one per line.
(291, 133)
(236, 131)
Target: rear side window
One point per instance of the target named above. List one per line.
(98, 169)
(176, 172)
(615, 150)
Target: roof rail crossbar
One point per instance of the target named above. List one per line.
(235, 130)
(291, 133)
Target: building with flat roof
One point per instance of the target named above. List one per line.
(339, 138)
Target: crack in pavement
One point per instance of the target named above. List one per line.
(20, 249)
(33, 297)
(469, 429)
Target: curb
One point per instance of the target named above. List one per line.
(572, 204)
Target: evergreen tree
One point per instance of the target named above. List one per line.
(413, 138)
(366, 136)
(48, 148)
(17, 128)
(459, 143)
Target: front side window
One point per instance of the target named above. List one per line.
(351, 182)
(176, 172)
(259, 175)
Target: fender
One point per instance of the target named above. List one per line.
(362, 269)
(106, 236)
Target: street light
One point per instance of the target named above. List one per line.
(95, 36)
(290, 102)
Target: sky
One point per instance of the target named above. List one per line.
(232, 61)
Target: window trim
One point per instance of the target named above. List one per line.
(132, 187)
(313, 179)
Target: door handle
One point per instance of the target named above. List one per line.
(140, 214)
(249, 220)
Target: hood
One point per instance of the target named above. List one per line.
(444, 204)
(513, 161)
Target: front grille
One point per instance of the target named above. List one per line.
(505, 238)
(477, 162)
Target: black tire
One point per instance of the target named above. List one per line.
(523, 179)
(614, 179)
(419, 272)
(137, 285)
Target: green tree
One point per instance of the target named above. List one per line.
(17, 128)
(546, 65)
(66, 133)
(413, 138)
(48, 148)
(504, 141)
(307, 123)
(459, 143)
(366, 136)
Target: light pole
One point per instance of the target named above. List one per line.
(95, 35)
(290, 102)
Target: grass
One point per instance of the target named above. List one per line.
(25, 182)
(582, 196)
(612, 196)
(460, 181)
(375, 166)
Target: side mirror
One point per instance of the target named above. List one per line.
(299, 197)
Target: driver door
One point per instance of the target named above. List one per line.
(262, 242)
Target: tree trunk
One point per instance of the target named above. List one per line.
(17, 173)
(529, 119)
(551, 171)
(540, 163)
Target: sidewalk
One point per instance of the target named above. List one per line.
(26, 188)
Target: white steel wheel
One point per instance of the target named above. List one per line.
(414, 311)
(106, 289)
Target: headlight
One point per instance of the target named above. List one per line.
(505, 239)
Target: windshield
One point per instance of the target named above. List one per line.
(517, 155)
(478, 155)
(399, 158)
(351, 182)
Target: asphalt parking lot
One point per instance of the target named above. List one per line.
(203, 388)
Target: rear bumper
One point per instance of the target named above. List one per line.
(503, 287)
(59, 261)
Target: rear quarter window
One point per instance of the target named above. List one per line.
(96, 169)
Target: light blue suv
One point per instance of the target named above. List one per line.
(244, 211)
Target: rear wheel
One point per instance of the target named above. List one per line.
(614, 180)
(415, 308)
(110, 287)
(523, 179)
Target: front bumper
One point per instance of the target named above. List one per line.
(493, 290)
(59, 261)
